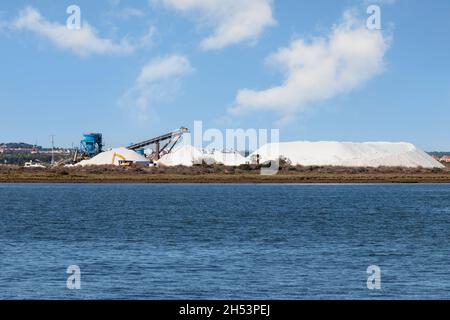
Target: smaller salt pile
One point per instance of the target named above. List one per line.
(185, 155)
(115, 157)
(227, 158)
(188, 155)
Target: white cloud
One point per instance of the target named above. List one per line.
(163, 68)
(158, 81)
(83, 42)
(117, 12)
(319, 69)
(233, 21)
(129, 12)
(147, 40)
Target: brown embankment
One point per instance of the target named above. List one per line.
(222, 174)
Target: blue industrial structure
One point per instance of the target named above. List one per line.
(91, 145)
(141, 151)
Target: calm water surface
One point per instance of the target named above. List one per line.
(224, 241)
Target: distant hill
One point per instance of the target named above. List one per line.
(18, 145)
(439, 153)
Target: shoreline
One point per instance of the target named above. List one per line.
(222, 175)
(349, 182)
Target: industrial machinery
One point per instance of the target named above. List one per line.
(169, 140)
(90, 146)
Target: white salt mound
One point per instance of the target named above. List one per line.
(188, 155)
(228, 158)
(112, 157)
(185, 155)
(348, 154)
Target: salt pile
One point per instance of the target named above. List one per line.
(114, 157)
(228, 158)
(185, 155)
(348, 154)
(188, 155)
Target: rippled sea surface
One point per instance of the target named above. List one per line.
(224, 241)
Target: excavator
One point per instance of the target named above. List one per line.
(122, 161)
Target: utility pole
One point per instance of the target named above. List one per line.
(53, 149)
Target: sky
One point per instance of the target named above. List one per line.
(316, 70)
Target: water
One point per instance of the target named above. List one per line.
(224, 241)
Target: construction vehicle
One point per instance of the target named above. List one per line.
(122, 162)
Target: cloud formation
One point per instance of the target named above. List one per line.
(233, 21)
(158, 81)
(129, 12)
(320, 69)
(83, 42)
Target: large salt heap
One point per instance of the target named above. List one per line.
(347, 154)
(115, 157)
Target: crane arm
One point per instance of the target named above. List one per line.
(164, 137)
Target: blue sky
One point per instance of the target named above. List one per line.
(141, 68)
